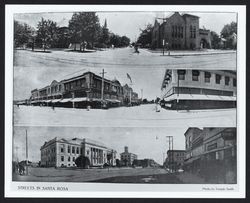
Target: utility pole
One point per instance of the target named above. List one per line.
(141, 94)
(170, 140)
(102, 90)
(26, 152)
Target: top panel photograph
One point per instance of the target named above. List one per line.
(126, 39)
(146, 68)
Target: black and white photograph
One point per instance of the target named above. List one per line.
(115, 98)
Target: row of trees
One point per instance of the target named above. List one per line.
(84, 28)
(225, 40)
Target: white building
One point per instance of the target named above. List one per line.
(199, 89)
(63, 153)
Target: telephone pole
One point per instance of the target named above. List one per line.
(26, 152)
(102, 91)
(170, 140)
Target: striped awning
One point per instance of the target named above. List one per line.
(113, 100)
(200, 97)
(79, 99)
(65, 100)
(56, 100)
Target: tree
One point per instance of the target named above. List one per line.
(124, 41)
(229, 29)
(215, 40)
(22, 33)
(52, 32)
(82, 161)
(84, 26)
(145, 36)
(229, 32)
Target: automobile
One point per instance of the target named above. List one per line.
(180, 170)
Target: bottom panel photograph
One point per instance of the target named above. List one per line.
(146, 155)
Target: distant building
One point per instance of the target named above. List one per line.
(129, 95)
(63, 153)
(180, 32)
(127, 158)
(145, 163)
(199, 89)
(211, 153)
(175, 159)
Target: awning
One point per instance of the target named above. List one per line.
(65, 100)
(33, 102)
(113, 100)
(55, 100)
(191, 160)
(47, 101)
(80, 99)
(96, 99)
(200, 97)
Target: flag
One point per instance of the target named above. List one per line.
(129, 78)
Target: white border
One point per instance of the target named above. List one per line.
(126, 190)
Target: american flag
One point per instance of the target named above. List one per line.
(129, 78)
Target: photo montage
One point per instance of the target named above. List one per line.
(152, 101)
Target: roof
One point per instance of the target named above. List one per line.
(189, 15)
(195, 130)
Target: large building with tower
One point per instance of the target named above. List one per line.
(127, 158)
(180, 32)
(175, 159)
(198, 89)
(63, 152)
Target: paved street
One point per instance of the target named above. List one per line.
(125, 58)
(137, 116)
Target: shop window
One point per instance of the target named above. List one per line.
(234, 82)
(195, 75)
(227, 79)
(69, 158)
(207, 77)
(62, 158)
(217, 78)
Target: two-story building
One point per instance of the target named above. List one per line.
(63, 152)
(175, 159)
(209, 150)
(198, 89)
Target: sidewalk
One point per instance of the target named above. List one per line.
(190, 178)
(190, 52)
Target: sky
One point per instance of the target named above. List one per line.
(146, 142)
(130, 23)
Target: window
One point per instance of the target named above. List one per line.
(73, 150)
(62, 158)
(195, 75)
(69, 158)
(194, 32)
(77, 150)
(68, 149)
(60, 86)
(234, 82)
(227, 79)
(62, 148)
(181, 74)
(207, 77)
(191, 31)
(217, 78)
(172, 31)
(73, 158)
